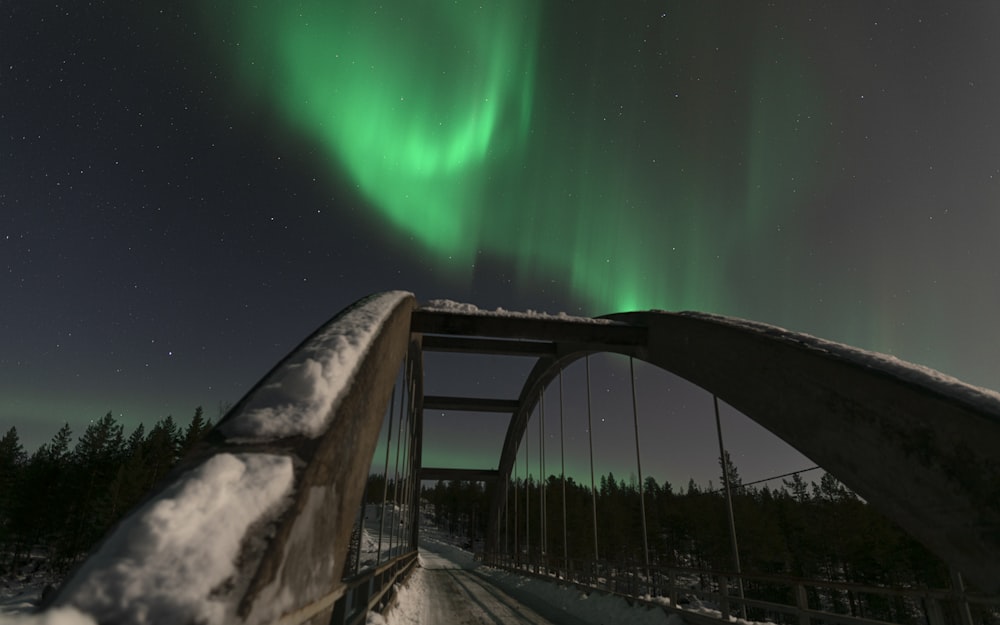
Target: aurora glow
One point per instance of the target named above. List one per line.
(191, 188)
(418, 102)
(463, 135)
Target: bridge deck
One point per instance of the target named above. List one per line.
(450, 588)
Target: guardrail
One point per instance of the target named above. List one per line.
(254, 525)
(702, 593)
(371, 590)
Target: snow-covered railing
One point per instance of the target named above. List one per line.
(254, 526)
(371, 590)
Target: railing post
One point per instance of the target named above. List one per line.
(932, 607)
(724, 597)
(958, 595)
(339, 615)
(802, 603)
(672, 587)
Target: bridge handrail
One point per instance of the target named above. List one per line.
(368, 590)
(716, 585)
(254, 524)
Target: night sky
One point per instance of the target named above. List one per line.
(187, 189)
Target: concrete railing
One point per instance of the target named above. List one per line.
(254, 526)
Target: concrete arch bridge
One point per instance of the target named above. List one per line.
(256, 525)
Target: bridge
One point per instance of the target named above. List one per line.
(262, 522)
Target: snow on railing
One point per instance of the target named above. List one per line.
(254, 526)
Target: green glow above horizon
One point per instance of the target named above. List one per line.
(417, 102)
(470, 131)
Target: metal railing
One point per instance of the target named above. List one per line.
(370, 590)
(767, 597)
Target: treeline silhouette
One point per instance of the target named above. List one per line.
(58, 502)
(818, 531)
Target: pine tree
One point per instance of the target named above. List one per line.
(800, 490)
(58, 450)
(729, 472)
(43, 494)
(12, 461)
(96, 458)
(161, 449)
(194, 432)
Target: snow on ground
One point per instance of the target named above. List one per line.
(21, 589)
(55, 616)
(497, 596)
(301, 395)
(390, 525)
(447, 305)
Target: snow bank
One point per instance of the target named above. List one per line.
(984, 399)
(447, 305)
(411, 603)
(595, 607)
(299, 398)
(56, 616)
(174, 558)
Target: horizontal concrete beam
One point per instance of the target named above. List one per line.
(596, 335)
(454, 475)
(469, 404)
(496, 347)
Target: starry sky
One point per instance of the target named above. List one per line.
(187, 189)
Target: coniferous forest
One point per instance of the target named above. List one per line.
(58, 502)
(808, 530)
(803, 530)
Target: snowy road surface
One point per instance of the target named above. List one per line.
(450, 588)
(446, 589)
(458, 596)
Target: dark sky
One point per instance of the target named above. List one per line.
(187, 189)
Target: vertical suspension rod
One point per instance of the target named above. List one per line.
(406, 418)
(527, 494)
(724, 461)
(399, 441)
(562, 472)
(590, 437)
(638, 465)
(517, 518)
(411, 471)
(385, 475)
(506, 517)
(542, 537)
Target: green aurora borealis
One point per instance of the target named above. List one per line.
(190, 188)
(473, 131)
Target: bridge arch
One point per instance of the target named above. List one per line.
(918, 446)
